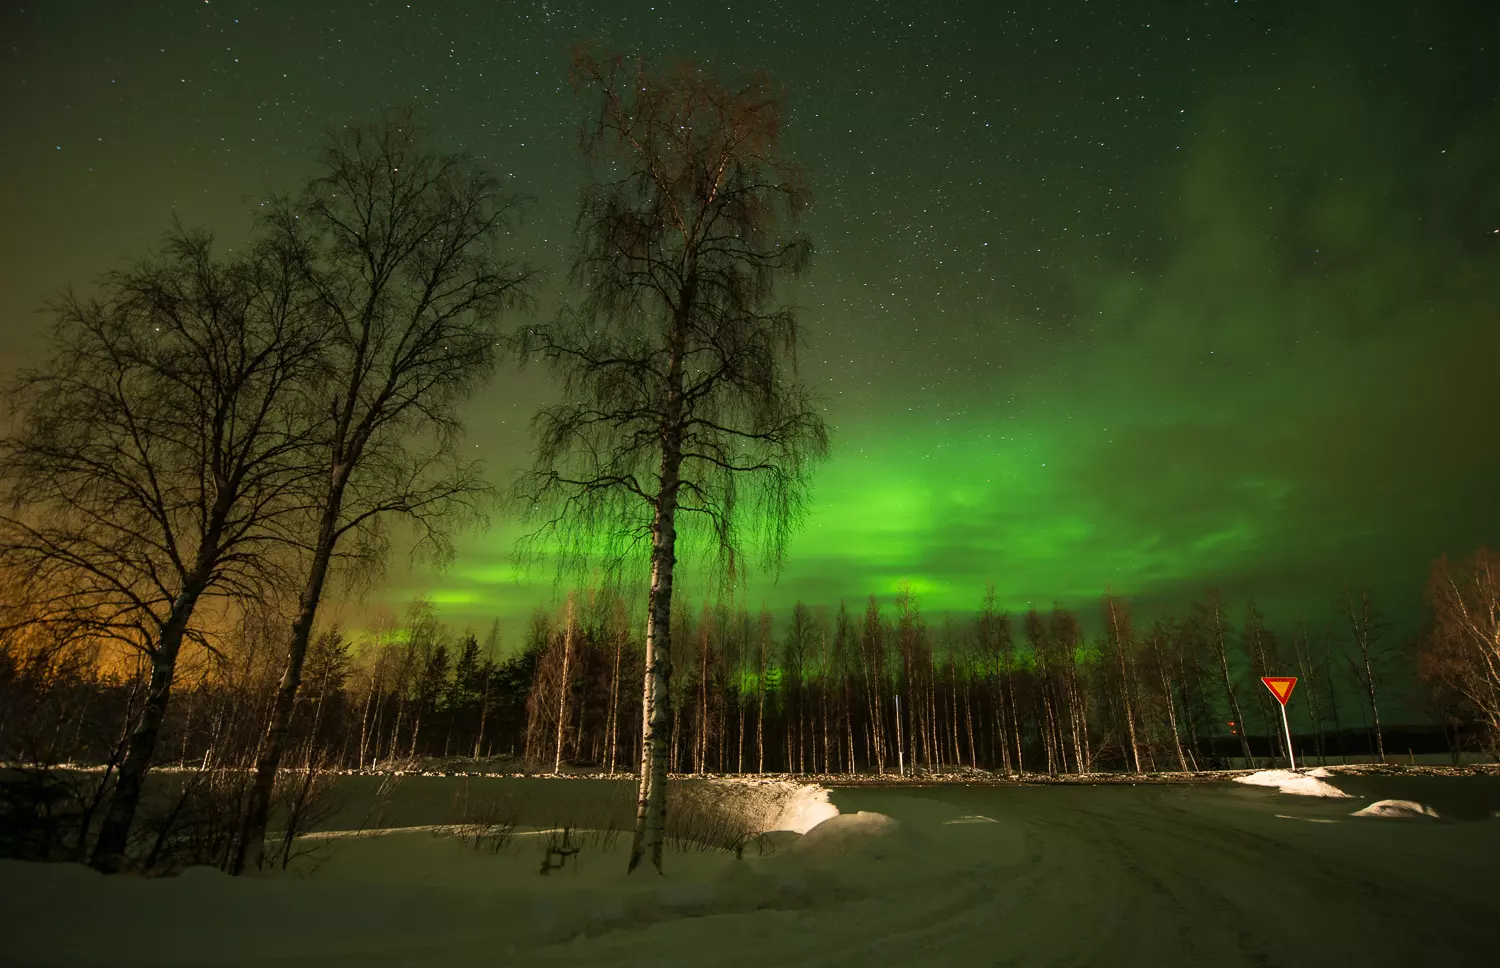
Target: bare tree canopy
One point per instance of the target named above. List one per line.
(679, 253)
(158, 460)
(677, 369)
(402, 247)
(1459, 657)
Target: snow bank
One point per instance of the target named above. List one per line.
(757, 804)
(1306, 783)
(1396, 808)
(843, 834)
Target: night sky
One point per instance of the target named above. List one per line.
(1159, 295)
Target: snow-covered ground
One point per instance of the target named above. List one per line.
(1220, 874)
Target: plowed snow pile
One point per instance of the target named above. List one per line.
(1306, 783)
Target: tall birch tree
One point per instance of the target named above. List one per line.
(681, 410)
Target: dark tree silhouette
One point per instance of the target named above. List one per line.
(159, 461)
(400, 244)
(678, 400)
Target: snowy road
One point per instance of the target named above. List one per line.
(1213, 875)
(1149, 875)
(1182, 876)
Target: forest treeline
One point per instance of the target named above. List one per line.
(816, 691)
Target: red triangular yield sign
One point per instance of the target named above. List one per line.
(1280, 686)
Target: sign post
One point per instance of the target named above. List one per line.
(1281, 688)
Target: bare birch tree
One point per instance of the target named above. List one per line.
(1215, 626)
(402, 246)
(992, 643)
(564, 681)
(677, 370)
(1118, 631)
(1312, 685)
(1259, 646)
(872, 665)
(1366, 629)
(156, 462)
(1160, 633)
(1460, 654)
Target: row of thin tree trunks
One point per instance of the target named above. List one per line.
(948, 719)
(736, 713)
(825, 726)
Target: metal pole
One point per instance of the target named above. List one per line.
(1289, 754)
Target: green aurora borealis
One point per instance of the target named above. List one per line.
(1155, 295)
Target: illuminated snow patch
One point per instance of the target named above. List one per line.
(1396, 808)
(765, 804)
(1305, 783)
(804, 809)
